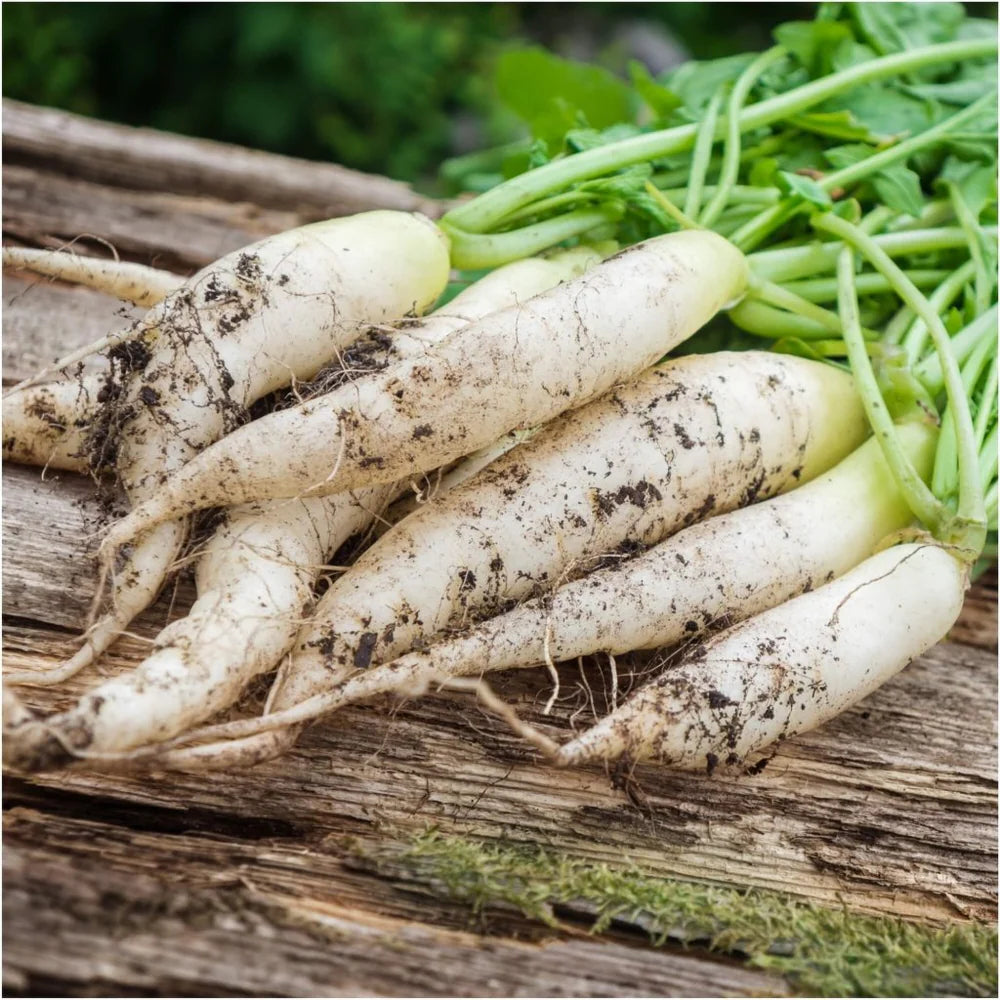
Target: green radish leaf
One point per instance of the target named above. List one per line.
(850, 53)
(955, 92)
(899, 188)
(976, 182)
(538, 154)
(764, 172)
(846, 156)
(798, 348)
(812, 43)
(849, 209)
(801, 151)
(888, 112)
(894, 27)
(954, 321)
(580, 139)
(804, 188)
(640, 201)
(696, 83)
(836, 125)
(896, 186)
(552, 94)
(660, 100)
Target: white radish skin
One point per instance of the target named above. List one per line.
(135, 283)
(788, 670)
(255, 579)
(48, 425)
(241, 328)
(628, 469)
(435, 485)
(519, 368)
(503, 288)
(727, 568)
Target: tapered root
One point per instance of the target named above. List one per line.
(135, 283)
(224, 755)
(106, 343)
(97, 641)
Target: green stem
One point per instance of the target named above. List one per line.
(489, 209)
(991, 506)
(761, 226)
(762, 320)
(815, 258)
(731, 154)
(869, 283)
(777, 295)
(474, 250)
(670, 208)
(968, 222)
(963, 344)
(945, 477)
(680, 175)
(557, 201)
(935, 213)
(743, 195)
(970, 527)
(988, 457)
(987, 402)
(702, 157)
(918, 497)
(915, 341)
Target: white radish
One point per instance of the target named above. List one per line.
(725, 569)
(49, 425)
(135, 283)
(788, 670)
(519, 368)
(692, 437)
(241, 328)
(255, 577)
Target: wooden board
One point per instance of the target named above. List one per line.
(291, 879)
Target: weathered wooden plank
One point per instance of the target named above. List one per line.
(44, 320)
(51, 528)
(176, 232)
(148, 160)
(191, 915)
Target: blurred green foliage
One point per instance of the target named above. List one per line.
(376, 86)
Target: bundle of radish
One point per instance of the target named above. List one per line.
(786, 119)
(691, 437)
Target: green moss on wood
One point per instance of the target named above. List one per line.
(819, 950)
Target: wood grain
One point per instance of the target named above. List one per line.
(144, 159)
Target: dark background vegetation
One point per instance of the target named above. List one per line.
(392, 88)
